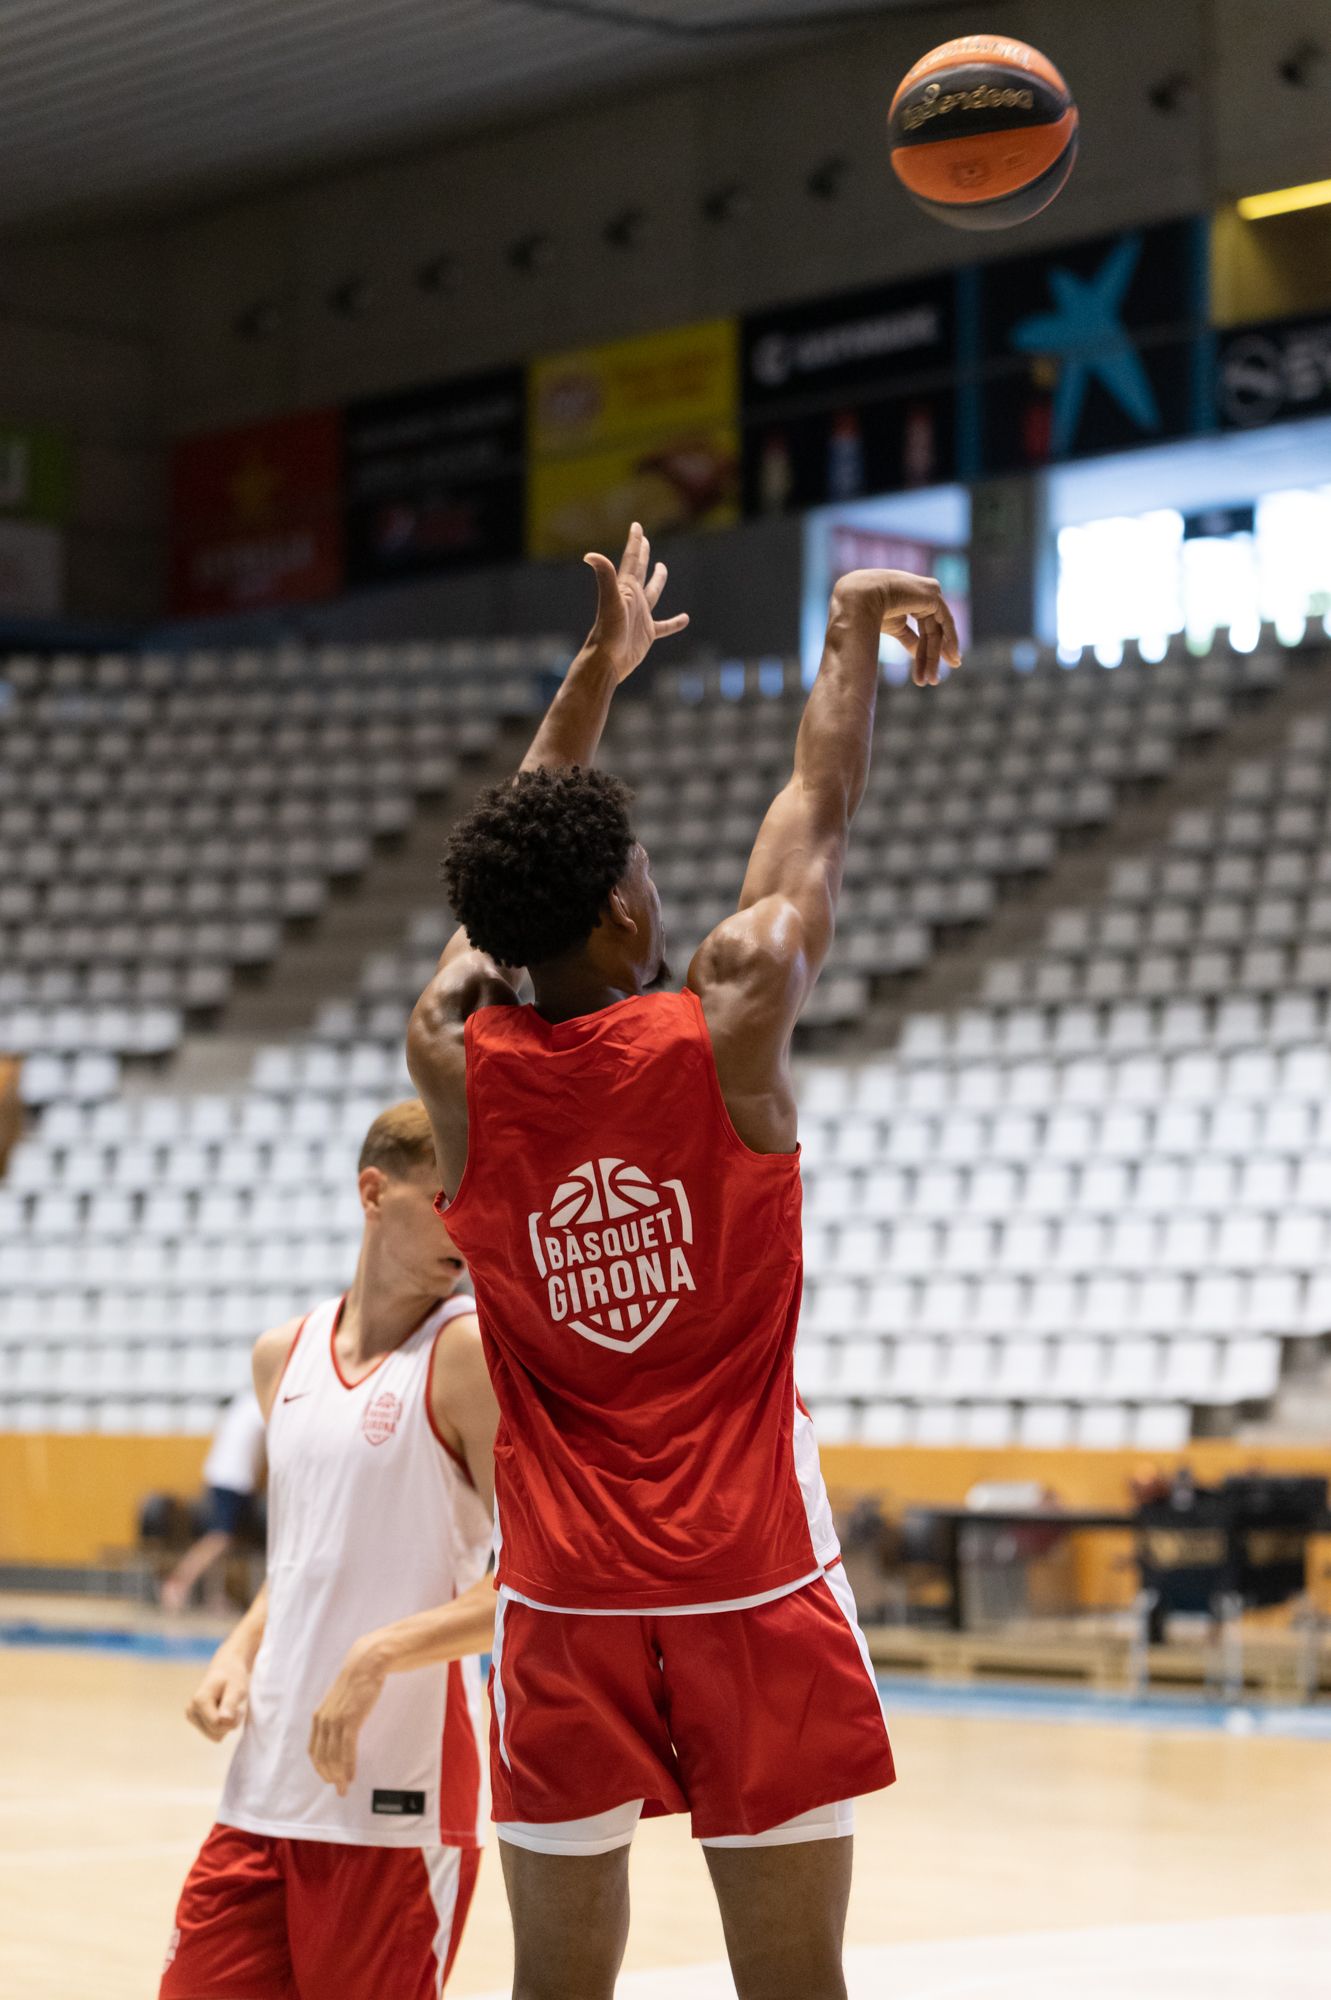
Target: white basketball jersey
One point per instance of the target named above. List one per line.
(370, 1519)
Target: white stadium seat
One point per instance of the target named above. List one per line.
(1091, 1201)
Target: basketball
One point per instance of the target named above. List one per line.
(983, 132)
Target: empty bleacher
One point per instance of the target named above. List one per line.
(972, 790)
(147, 1241)
(162, 820)
(1095, 1208)
(973, 787)
(1090, 1208)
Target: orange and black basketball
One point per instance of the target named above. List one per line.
(983, 132)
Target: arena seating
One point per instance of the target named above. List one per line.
(162, 819)
(972, 786)
(148, 1241)
(1099, 1201)
(1085, 1210)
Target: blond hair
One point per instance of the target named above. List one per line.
(400, 1141)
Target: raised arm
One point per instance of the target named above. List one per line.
(755, 971)
(623, 633)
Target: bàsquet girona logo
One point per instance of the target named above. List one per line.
(612, 1252)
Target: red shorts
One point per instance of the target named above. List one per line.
(267, 1919)
(743, 1719)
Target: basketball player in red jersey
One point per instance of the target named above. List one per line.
(621, 1171)
(345, 1851)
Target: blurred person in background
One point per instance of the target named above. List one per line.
(232, 1474)
(346, 1846)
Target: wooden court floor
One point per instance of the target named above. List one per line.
(1017, 1857)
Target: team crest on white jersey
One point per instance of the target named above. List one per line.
(612, 1250)
(381, 1417)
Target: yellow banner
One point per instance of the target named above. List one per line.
(682, 380)
(676, 486)
(644, 430)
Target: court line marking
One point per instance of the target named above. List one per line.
(1158, 1711)
(27, 1634)
(901, 1695)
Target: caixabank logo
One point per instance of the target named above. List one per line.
(612, 1251)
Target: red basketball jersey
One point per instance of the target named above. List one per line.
(637, 1272)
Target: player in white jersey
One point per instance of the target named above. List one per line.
(231, 1473)
(346, 1846)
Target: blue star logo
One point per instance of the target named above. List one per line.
(1085, 336)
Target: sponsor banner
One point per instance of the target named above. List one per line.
(1092, 347)
(36, 475)
(640, 430)
(1078, 407)
(256, 516)
(848, 450)
(434, 477)
(1271, 372)
(674, 485)
(661, 384)
(32, 569)
(849, 348)
(853, 546)
(1091, 293)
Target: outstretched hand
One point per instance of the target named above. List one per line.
(626, 626)
(910, 609)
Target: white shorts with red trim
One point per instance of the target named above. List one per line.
(606, 1831)
(747, 1720)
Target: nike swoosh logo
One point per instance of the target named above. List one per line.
(296, 1398)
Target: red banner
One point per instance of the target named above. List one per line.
(256, 516)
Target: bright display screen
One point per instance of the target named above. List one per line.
(1144, 577)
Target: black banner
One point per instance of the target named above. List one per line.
(1140, 281)
(435, 477)
(846, 348)
(849, 450)
(1078, 406)
(849, 395)
(1269, 373)
(1091, 347)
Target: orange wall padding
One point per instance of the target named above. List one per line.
(71, 1499)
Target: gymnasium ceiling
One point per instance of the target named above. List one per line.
(132, 104)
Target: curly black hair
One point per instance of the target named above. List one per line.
(529, 869)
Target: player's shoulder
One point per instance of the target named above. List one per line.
(462, 986)
(271, 1353)
(460, 1333)
(276, 1342)
(752, 953)
(459, 1365)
